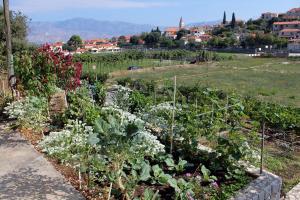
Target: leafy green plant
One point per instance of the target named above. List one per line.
(177, 167)
(207, 175)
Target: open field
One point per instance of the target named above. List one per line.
(283, 163)
(271, 79)
(102, 68)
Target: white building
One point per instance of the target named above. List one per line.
(268, 15)
(294, 45)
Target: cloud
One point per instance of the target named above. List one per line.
(34, 6)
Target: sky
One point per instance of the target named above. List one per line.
(154, 12)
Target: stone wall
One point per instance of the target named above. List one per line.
(266, 187)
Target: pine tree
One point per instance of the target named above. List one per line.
(233, 20)
(224, 18)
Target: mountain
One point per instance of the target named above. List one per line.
(43, 32)
(210, 23)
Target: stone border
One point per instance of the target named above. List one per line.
(266, 187)
(294, 193)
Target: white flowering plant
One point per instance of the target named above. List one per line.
(30, 112)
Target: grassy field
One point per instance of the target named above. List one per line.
(271, 79)
(284, 164)
(102, 68)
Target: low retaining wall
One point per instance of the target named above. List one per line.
(266, 187)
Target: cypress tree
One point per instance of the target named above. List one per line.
(224, 18)
(233, 21)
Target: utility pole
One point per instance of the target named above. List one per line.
(10, 67)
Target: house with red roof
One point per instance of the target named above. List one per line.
(171, 32)
(295, 12)
(290, 33)
(57, 46)
(279, 26)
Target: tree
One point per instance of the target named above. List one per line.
(181, 33)
(152, 38)
(19, 29)
(233, 20)
(134, 40)
(166, 42)
(224, 18)
(73, 44)
(122, 40)
(157, 30)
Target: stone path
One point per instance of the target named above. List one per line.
(294, 194)
(26, 174)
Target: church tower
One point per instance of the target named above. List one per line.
(181, 23)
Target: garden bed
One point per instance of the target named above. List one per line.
(143, 143)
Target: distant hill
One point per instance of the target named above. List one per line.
(205, 23)
(42, 32)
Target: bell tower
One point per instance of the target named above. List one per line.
(181, 23)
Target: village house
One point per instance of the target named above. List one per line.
(171, 32)
(290, 33)
(279, 26)
(295, 12)
(197, 31)
(294, 45)
(56, 46)
(268, 16)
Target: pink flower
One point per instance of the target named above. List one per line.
(215, 185)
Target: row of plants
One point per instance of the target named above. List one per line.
(277, 117)
(178, 54)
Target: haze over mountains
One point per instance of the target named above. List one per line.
(42, 32)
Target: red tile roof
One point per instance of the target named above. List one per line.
(294, 10)
(290, 30)
(287, 23)
(172, 29)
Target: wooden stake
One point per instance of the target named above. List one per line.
(173, 116)
(262, 148)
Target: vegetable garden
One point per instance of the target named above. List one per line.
(135, 140)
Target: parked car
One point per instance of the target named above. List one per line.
(134, 68)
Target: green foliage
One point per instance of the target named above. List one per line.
(176, 167)
(259, 39)
(139, 102)
(19, 23)
(42, 71)
(207, 175)
(99, 93)
(4, 100)
(73, 43)
(181, 33)
(274, 115)
(82, 106)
